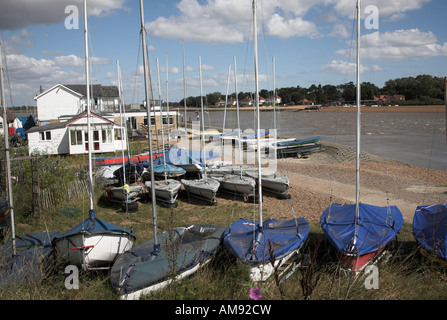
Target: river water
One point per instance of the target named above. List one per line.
(417, 139)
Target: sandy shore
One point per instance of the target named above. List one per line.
(402, 109)
(331, 173)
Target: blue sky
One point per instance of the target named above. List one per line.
(310, 40)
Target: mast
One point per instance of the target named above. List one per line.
(167, 102)
(122, 122)
(203, 121)
(7, 161)
(238, 119)
(357, 195)
(161, 112)
(151, 160)
(255, 44)
(87, 85)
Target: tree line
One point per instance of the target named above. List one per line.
(422, 89)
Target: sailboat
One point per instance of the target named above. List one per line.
(94, 243)
(176, 253)
(236, 183)
(360, 232)
(125, 192)
(270, 244)
(430, 230)
(166, 190)
(274, 182)
(204, 188)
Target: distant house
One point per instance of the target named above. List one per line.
(247, 102)
(62, 100)
(389, 98)
(230, 102)
(305, 102)
(71, 136)
(273, 99)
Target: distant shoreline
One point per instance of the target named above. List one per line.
(394, 109)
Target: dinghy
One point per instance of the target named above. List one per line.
(94, 243)
(360, 238)
(174, 254)
(148, 268)
(166, 190)
(124, 193)
(430, 230)
(360, 232)
(264, 245)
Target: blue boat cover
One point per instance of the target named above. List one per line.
(376, 227)
(160, 168)
(430, 229)
(93, 225)
(284, 235)
(264, 134)
(179, 156)
(298, 141)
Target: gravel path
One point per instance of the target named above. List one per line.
(331, 173)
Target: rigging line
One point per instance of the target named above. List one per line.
(350, 48)
(3, 47)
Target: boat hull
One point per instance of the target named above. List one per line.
(165, 190)
(234, 183)
(205, 189)
(93, 251)
(124, 193)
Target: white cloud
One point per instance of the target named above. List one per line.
(280, 27)
(343, 67)
(400, 45)
(16, 14)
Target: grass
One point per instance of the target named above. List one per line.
(407, 275)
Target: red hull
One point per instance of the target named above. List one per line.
(357, 263)
(118, 160)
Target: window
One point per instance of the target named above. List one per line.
(45, 135)
(106, 135)
(118, 134)
(76, 137)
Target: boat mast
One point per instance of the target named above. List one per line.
(203, 121)
(151, 159)
(7, 161)
(122, 121)
(357, 196)
(87, 85)
(238, 119)
(162, 127)
(255, 44)
(184, 93)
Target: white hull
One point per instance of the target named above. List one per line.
(205, 189)
(159, 286)
(274, 182)
(263, 271)
(166, 191)
(124, 193)
(235, 183)
(93, 251)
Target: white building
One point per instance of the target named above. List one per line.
(71, 136)
(62, 100)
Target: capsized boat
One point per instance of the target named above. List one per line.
(360, 240)
(94, 243)
(430, 229)
(252, 243)
(149, 267)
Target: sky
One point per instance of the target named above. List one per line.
(311, 41)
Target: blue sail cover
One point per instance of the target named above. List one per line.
(376, 227)
(179, 156)
(93, 225)
(430, 229)
(285, 236)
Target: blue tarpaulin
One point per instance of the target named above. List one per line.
(430, 229)
(250, 243)
(376, 227)
(179, 156)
